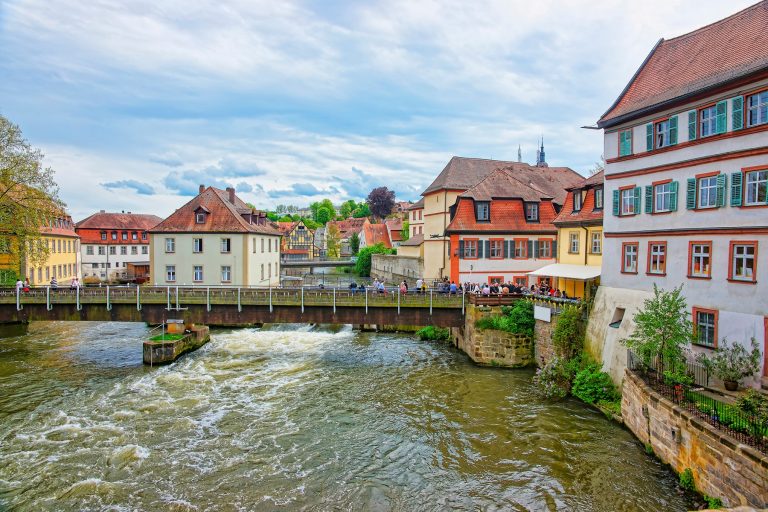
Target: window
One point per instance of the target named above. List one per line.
(576, 200)
(657, 258)
(496, 249)
(756, 188)
(144, 249)
(700, 259)
(40, 274)
(262, 271)
(757, 109)
(470, 249)
(521, 281)
(114, 235)
(170, 245)
(123, 250)
(521, 248)
(597, 242)
(662, 195)
(170, 273)
(598, 198)
(143, 235)
(226, 245)
(742, 266)
(197, 245)
(625, 142)
(545, 249)
(94, 265)
(226, 274)
(532, 212)
(89, 250)
(198, 273)
(103, 235)
(262, 245)
(112, 250)
(269, 270)
(200, 218)
(708, 121)
(134, 250)
(629, 257)
(707, 192)
(705, 327)
(125, 235)
(573, 242)
(483, 210)
(629, 199)
(102, 250)
(59, 246)
(663, 134)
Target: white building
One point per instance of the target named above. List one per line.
(686, 178)
(215, 239)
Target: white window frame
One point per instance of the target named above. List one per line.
(662, 197)
(573, 242)
(170, 273)
(226, 273)
(197, 273)
(708, 327)
(532, 212)
(200, 218)
(88, 250)
(758, 110)
(496, 249)
(741, 254)
(197, 245)
(706, 188)
(708, 121)
(545, 249)
(754, 181)
(577, 200)
(633, 257)
(661, 132)
(170, 245)
(597, 242)
(226, 245)
(657, 259)
(599, 197)
(483, 210)
(698, 253)
(627, 198)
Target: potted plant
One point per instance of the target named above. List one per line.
(732, 362)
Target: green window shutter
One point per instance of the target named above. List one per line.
(625, 143)
(649, 137)
(692, 125)
(511, 248)
(690, 200)
(722, 181)
(736, 178)
(737, 104)
(673, 130)
(637, 191)
(535, 249)
(479, 248)
(461, 249)
(487, 248)
(722, 112)
(554, 249)
(505, 248)
(529, 254)
(615, 202)
(648, 199)
(673, 196)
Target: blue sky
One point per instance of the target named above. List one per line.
(135, 103)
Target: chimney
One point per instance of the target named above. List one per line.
(201, 189)
(231, 194)
(102, 211)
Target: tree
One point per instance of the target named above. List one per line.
(323, 215)
(28, 199)
(273, 216)
(381, 200)
(363, 264)
(406, 232)
(354, 243)
(347, 207)
(663, 332)
(310, 223)
(361, 211)
(332, 240)
(286, 218)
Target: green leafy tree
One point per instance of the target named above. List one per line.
(568, 335)
(273, 216)
(354, 243)
(663, 333)
(311, 224)
(406, 233)
(286, 218)
(363, 264)
(28, 200)
(323, 215)
(333, 241)
(346, 209)
(361, 211)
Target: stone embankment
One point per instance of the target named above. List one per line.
(165, 352)
(489, 346)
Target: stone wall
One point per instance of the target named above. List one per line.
(394, 268)
(542, 334)
(721, 466)
(487, 346)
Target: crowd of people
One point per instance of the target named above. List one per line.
(54, 284)
(449, 287)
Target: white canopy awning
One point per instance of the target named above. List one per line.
(578, 272)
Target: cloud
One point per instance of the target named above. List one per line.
(244, 187)
(137, 186)
(168, 161)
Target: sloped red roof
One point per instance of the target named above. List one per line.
(507, 216)
(728, 49)
(414, 241)
(224, 216)
(461, 173)
(376, 233)
(119, 221)
(418, 205)
(588, 214)
(285, 227)
(525, 182)
(349, 226)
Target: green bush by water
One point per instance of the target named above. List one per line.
(517, 319)
(686, 480)
(592, 385)
(433, 334)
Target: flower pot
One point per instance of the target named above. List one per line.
(731, 385)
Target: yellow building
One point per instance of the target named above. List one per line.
(580, 235)
(62, 262)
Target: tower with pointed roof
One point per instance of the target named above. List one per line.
(541, 160)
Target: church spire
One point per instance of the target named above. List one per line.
(541, 160)
(519, 153)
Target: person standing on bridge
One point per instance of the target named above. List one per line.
(54, 283)
(19, 285)
(419, 284)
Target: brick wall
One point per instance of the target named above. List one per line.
(487, 346)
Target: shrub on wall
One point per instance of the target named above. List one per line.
(517, 319)
(553, 380)
(592, 385)
(568, 335)
(433, 333)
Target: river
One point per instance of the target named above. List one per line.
(299, 418)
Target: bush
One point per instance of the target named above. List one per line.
(686, 480)
(732, 361)
(568, 336)
(713, 503)
(592, 385)
(363, 264)
(8, 277)
(433, 333)
(517, 319)
(553, 380)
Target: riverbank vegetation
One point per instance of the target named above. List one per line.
(363, 263)
(517, 319)
(431, 333)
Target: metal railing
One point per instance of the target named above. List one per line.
(745, 428)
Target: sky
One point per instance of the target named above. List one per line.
(137, 103)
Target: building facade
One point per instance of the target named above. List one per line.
(63, 261)
(298, 241)
(502, 228)
(416, 218)
(687, 183)
(115, 246)
(215, 239)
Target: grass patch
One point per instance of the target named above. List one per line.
(433, 333)
(166, 337)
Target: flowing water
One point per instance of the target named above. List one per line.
(295, 418)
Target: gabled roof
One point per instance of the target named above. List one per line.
(414, 241)
(724, 51)
(525, 182)
(376, 233)
(507, 217)
(349, 226)
(418, 205)
(588, 214)
(119, 221)
(285, 227)
(462, 173)
(224, 216)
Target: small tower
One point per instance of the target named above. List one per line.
(519, 153)
(541, 160)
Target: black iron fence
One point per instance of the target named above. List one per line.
(745, 428)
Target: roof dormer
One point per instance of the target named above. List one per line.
(201, 214)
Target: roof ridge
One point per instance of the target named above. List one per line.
(763, 3)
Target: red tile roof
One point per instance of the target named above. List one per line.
(695, 62)
(285, 227)
(507, 216)
(462, 173)
(588, 215)
(414, 241)
(525, 182)
(375, 234)
(119, 221)
(349, 226)
(224, 216)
